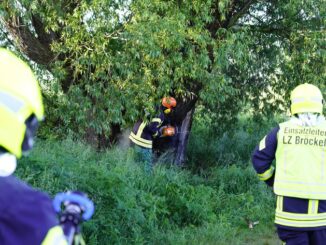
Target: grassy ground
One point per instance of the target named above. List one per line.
(208, 204)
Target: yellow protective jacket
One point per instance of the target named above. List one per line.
(298, 175)
(301, 162)
(301, 175)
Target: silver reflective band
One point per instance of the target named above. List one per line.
(298, 100)
(299, 191)
(301, 223)
(300, 183)
(300, 217)
(313, 207)
(11, 102)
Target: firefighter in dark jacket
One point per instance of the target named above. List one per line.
(143, 133)
(299, 176)
(26, 214)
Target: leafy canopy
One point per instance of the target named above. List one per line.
(113, 60)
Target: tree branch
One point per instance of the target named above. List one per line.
(46, 38)
(27, 41)
(234, 18)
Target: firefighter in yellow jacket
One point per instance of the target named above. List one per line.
(299, 175)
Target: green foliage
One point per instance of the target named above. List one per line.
(129, 204)
(212, 144)
(286, 50)
(114, 60)
(171, 206)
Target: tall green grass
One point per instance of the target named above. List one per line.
(171, 206)
(209, 148)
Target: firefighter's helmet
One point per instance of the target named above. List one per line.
(21, 104)
(306, 98)
(168, 103)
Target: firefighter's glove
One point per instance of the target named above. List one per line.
(168, 131)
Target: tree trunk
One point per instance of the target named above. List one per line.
(183, 136)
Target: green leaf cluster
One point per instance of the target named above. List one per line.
(114, 60)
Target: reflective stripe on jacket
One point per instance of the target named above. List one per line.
(143, 133)
(300, 213)
(301, 162)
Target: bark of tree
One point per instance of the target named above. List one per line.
(183, 136)
(35, 48)
(183, 120)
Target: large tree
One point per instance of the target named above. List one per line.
(112, 60)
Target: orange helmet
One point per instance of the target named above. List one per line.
(168, 131)
(169, 103)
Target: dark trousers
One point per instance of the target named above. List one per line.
(317, 237)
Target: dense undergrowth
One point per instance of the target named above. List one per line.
(211, 202)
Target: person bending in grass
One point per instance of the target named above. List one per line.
(143, 133)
